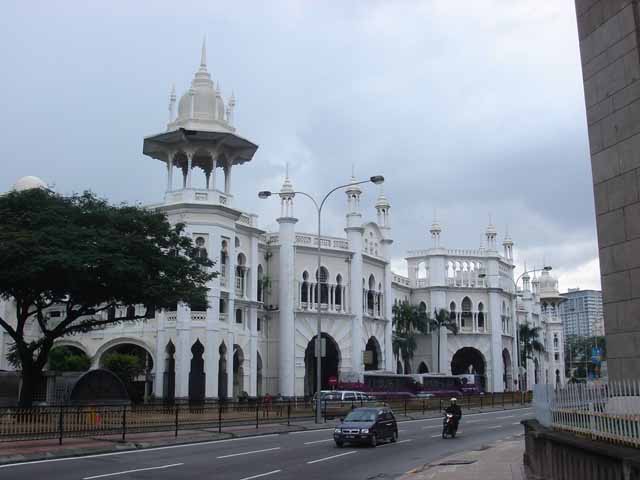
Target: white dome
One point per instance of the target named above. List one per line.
(28, 183)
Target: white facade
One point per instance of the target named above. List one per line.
(257, 334)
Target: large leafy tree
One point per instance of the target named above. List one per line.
(442, 319)
(91, 259)
(408, 321)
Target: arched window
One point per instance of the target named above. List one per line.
(238, 315)
(555, 340)
(324, 287)
(370, 294)
(201, 250)
(131, 311)
(304, 288)
(466, 317)
(223, 258)
(452, 311)
(237, 242)
(260, 283)
(338, 293)
(422, 308)
(480, 316)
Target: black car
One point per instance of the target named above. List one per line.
(367, 425)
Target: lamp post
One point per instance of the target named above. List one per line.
(377, 180)
(546, 268)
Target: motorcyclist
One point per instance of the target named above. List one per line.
(455, 410)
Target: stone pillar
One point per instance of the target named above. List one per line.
(354, 233)
(189, 168)
(211, 353)
(231, 343)
(161, 345)
(253, 351)
(286, 327)
(183, 350)
(170, 172)
(214, 164)
(494, 364)
(227, 178)
(388, 307)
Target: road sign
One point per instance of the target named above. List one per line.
(333, 381)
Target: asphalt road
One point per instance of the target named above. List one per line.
(309, 455)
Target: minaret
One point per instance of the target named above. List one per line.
(172, 104)
(354, 232)
(382, 207)
(435, 231)
(287, 291)
(508, 247)
(230, 108)
(490, 235)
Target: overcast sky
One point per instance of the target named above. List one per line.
(472, 108)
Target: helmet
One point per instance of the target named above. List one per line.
(454, 400)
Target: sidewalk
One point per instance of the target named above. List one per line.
(29, 450)
(501, 460)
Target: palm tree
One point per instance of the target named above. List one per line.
(408, 321)
(442, 319)
(529, 344)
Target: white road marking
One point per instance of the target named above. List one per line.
(435, 436)
(473, 421)
(329, 458)
(401, 441)
(132, 471)
(261, 475)
(516, 423)
(507, 416)
(319, 441)
(310, 431)
(466, 415)
(401, 431)
(249, 453)
(142, 450)
(495, 426)
(431, 427)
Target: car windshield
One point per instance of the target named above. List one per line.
(361, 416)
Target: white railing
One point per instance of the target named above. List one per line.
(199, 316)
(609, 412)
(171, 317)
(401, 280)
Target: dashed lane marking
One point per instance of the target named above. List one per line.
(249, 453)
(261, 475)
(331, 457)
(319, 441)
(132, 471)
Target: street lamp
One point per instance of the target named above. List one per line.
(546, 268)
(376, 180)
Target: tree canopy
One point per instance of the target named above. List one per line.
(92, 260)
(408, 321)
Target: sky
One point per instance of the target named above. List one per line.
(472, 110)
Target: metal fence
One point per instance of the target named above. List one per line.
(609, 412)
(59, 422)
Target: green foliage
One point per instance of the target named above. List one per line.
(126, 366)
(88, 257)
(408, 321)
(442, 319)
(63, 359)
(529, 342)
(578, 351)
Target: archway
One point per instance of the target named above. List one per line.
(169, 380)
(68, 358)
(536, 371)
(469, 360)
(329, 364)
(259, 375)
(222, 372)
(197, 375)
(422, 368)
(407, 367)
(238, 371)
(372, 354)
(507, 371)
(133, 364)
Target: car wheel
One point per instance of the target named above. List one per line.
(339, 444)
(394, 437)
(374, 440)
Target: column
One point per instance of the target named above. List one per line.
(253, 352)
(495, 382)
(354, 233)
(183, 350)
(170, 172)
(227, 178)
(286, 328)
(230, 348)
(388, 313)
(189, 168)
(214, 165)
(161, 345)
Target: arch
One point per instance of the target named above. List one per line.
(71, 343)
(466, 317)
(338, 292)
(242, 259)
(322, 279)
(238, 315)
(97, 358)
(370, 294)
(222, 371)
(469, 360)
(197, 374)
(304, 287)
(169, 380)
(422, 368)
(139, 389)
(238, 372)
(452, 311)
(481, 316)
(99, 386)
(329, 364)
(372, 282)
(507, 370)
(68, 358)
(422, 307)
(373, 354)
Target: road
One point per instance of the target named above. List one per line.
(308, 454)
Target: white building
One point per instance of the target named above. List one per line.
(257, 334)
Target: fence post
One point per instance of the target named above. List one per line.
(219, 417)
(257, 414)
(177, 407)
(440, 406)
(405, 407)
(124, 422)
(422, 406)
(60, 425)
(289, 413)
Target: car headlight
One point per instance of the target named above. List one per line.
(337, 430)
(364, 430)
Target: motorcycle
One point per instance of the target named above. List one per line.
(449, 426)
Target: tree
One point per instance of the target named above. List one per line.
(408, 321)
(579, 351)
(93, 260)
(529, 344)
(442, 319)
(64, 359)
(127, 367)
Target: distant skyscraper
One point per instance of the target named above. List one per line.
(582, 313)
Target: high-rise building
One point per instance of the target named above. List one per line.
(582, 313)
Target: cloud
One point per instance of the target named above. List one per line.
(470, 108)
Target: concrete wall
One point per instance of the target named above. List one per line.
(608, 33)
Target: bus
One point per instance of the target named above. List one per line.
(440, 385)
(472, 383)
(390, 385)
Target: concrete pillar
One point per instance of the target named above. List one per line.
(170, 173)
(286, 327)
(253, 352)
(354, 233)
(183, 350)
(211, 353)
(161, 345)
(388, 307)
(494, 364)
(230, 348)
(189, 168)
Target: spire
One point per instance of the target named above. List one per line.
(435, 230)
(203, 54)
